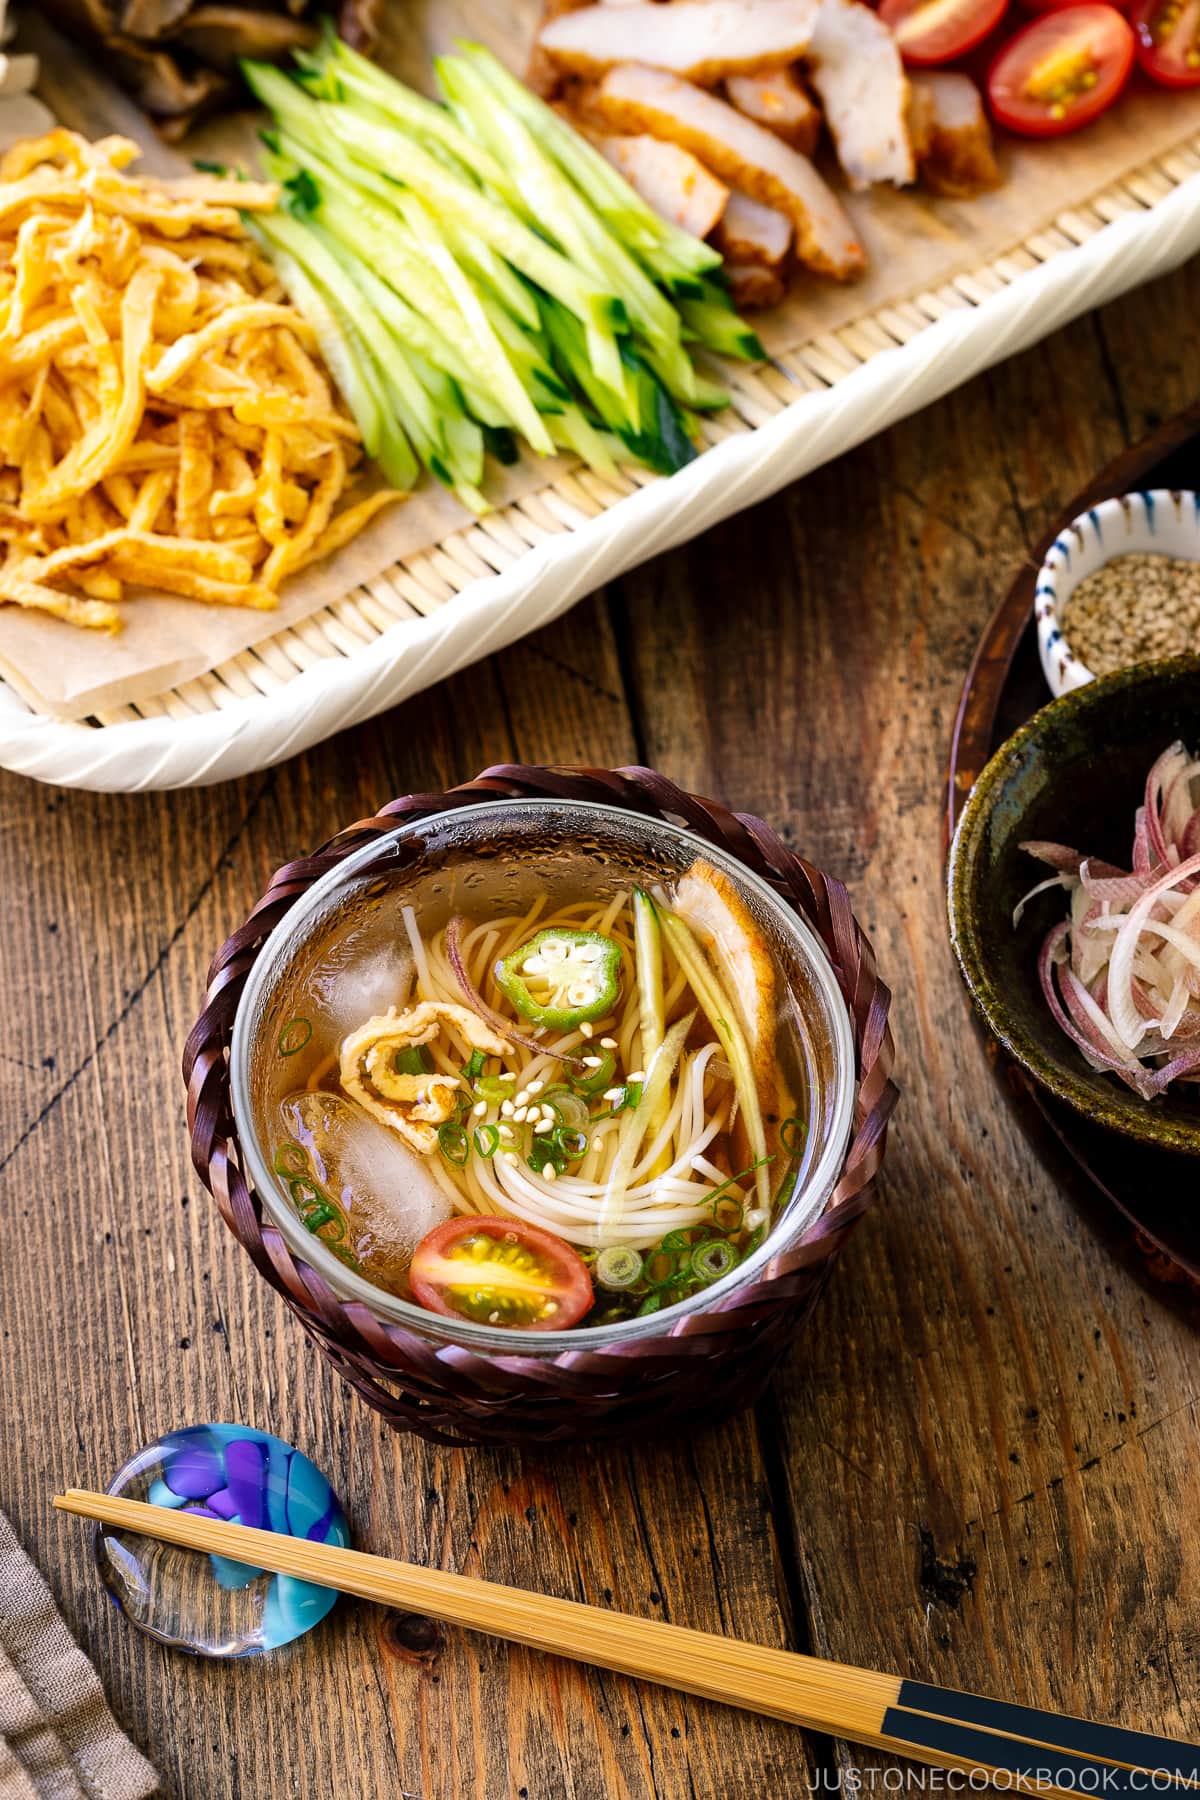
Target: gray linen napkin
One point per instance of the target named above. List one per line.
(58, 1740)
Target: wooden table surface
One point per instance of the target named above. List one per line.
(978, 1466)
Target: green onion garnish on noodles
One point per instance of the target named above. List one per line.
(727, 1213)
(306, 1193)
(595, 1081)
(661, 1267)
(294, 1036)
(618, 1267)
(487, 1140)
(454, 1143)
(793, 1135)
(474, 1066)
(679, 1241)
(291, 1159)
(712, 1260)
(495, 1087)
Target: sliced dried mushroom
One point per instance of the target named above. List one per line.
(179, 59)
(220, 35)
(151, 19)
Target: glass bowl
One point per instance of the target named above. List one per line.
(502, 848)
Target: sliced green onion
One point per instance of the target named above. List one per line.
(728, 1214)
(793, 1135)
(651, 1304)
(712, 1260)
(496, 1087)
(567, 1106)
(305, 1193)
(570, 1142)
(320, 1216)
(474, 1066)
(594, 1081)
(661, 1267)
(291, 1159)
(414, 1059)
(619, 1266)
(454, 1144)
(487, 1140)
(294, 1036)
(756, 1238)
(679, 1240)
(545, 1153)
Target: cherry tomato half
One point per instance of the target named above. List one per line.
(928, 32)
(501, 1272)
(1062, 70)
(1168, 40)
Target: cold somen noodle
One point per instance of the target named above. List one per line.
(597, 1080)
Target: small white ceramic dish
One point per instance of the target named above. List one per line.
(1162, 521)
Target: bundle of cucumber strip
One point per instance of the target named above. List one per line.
(476, 271)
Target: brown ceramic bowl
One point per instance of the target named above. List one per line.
(1076, 774)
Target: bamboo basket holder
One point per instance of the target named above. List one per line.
(707, 1362)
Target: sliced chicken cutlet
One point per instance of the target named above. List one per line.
(710, 904)
(702, 40)
(951, 136)
(749, 232)
(780, 101)
(754, 285)
(671, 180)
(855, 67)
(633, 98)
(543, 74)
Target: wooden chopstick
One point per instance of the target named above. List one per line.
(1030, 1750)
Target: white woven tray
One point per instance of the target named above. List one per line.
(516, 570)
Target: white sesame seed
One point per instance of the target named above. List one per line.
(507, 1109)
(535, 1087)
(479, 1109)
(608, 1043)
(543, 1125)
(585, 1029)
(493, 1318)
(593, 1062)
(520, 1115)
(522, 1098)
(614, 1094)
(511, 1156)
(550, 1172)
(506, 1132)
(638, 1075)
(548, 1112)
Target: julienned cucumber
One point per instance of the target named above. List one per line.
(476, 271)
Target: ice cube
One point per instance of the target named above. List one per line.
(352, 984)
(391, 1197)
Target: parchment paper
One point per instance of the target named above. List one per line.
(914, 243)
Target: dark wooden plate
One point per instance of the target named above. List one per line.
(1152, 1189)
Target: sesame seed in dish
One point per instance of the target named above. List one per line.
(1134, 609)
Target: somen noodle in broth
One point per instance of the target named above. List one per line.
(597, 1081)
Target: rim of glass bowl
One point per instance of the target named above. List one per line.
(807, 1206)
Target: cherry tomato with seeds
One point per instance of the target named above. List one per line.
(1061, 71)
(1168, 40)
(929, 32)
(500, 1272)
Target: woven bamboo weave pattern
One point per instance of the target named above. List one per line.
(709, 1361)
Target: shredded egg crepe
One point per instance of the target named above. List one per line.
(165, 421)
